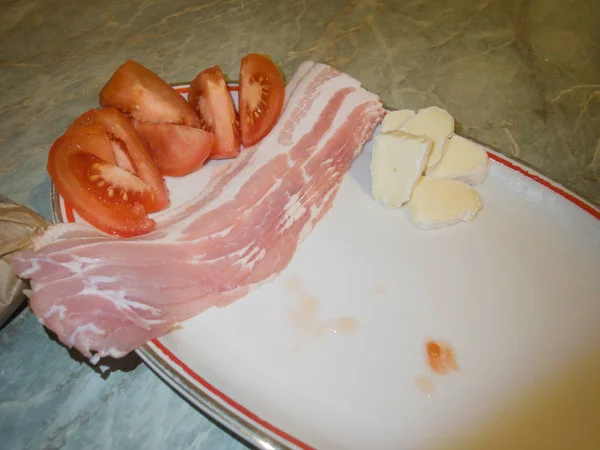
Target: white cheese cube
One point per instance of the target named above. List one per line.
(436, 125)
(439, 202)
(463, 160)
(398, 162)
(395, 119)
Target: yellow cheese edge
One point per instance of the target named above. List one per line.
(440, 202)
(394, 120)
(463, 160)
(433, 123)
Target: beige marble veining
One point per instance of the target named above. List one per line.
(522, 76)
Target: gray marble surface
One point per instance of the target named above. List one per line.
(521, 76)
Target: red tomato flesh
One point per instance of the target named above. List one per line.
(261, 97)
(140, 93)
(129, 150)
(81, 178)
(102, 169)
(156, 108)
(177, 149)
(211, 100)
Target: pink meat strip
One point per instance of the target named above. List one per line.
(106, 296)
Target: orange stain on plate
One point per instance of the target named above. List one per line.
(293, 284)
(424, 385)
(381, 289)
(305, 317)
(441, 357)
(343, 325)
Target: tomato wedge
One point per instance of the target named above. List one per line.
(140, 93)
(211, 100)
(261, 97)
(130, 152)
(177, 149)
(102, 169)
(156, 108)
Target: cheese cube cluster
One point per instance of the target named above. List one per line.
(420, 162)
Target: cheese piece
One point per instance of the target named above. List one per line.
(395, 119)
(398, 162)
(438, 202)
(435, 124)
(463, 160)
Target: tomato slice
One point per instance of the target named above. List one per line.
(130, 152)
(211, 100)
(261, 97)
(140, 93)
(156, 108)
(85, 171)
(177, 149)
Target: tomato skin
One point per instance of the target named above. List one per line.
(170, 146)
(140, 93)
(121, 129)
(70, 162)
(261, 97)
(211, 100)
(155, 106)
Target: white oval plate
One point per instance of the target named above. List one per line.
(331, 354)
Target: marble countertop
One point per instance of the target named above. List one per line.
(521, 76)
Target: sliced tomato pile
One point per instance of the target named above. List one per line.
(161, 116)
(109, 164)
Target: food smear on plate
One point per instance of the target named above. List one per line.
(425, 385)
(293, 284)
(381, 289)
(436, 194)
(161, 116)
(441, 358)
(306, 320)
(106, 296)
(343, 325)
(399, 159)
(102, 168)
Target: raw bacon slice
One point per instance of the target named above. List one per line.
(107, 296)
